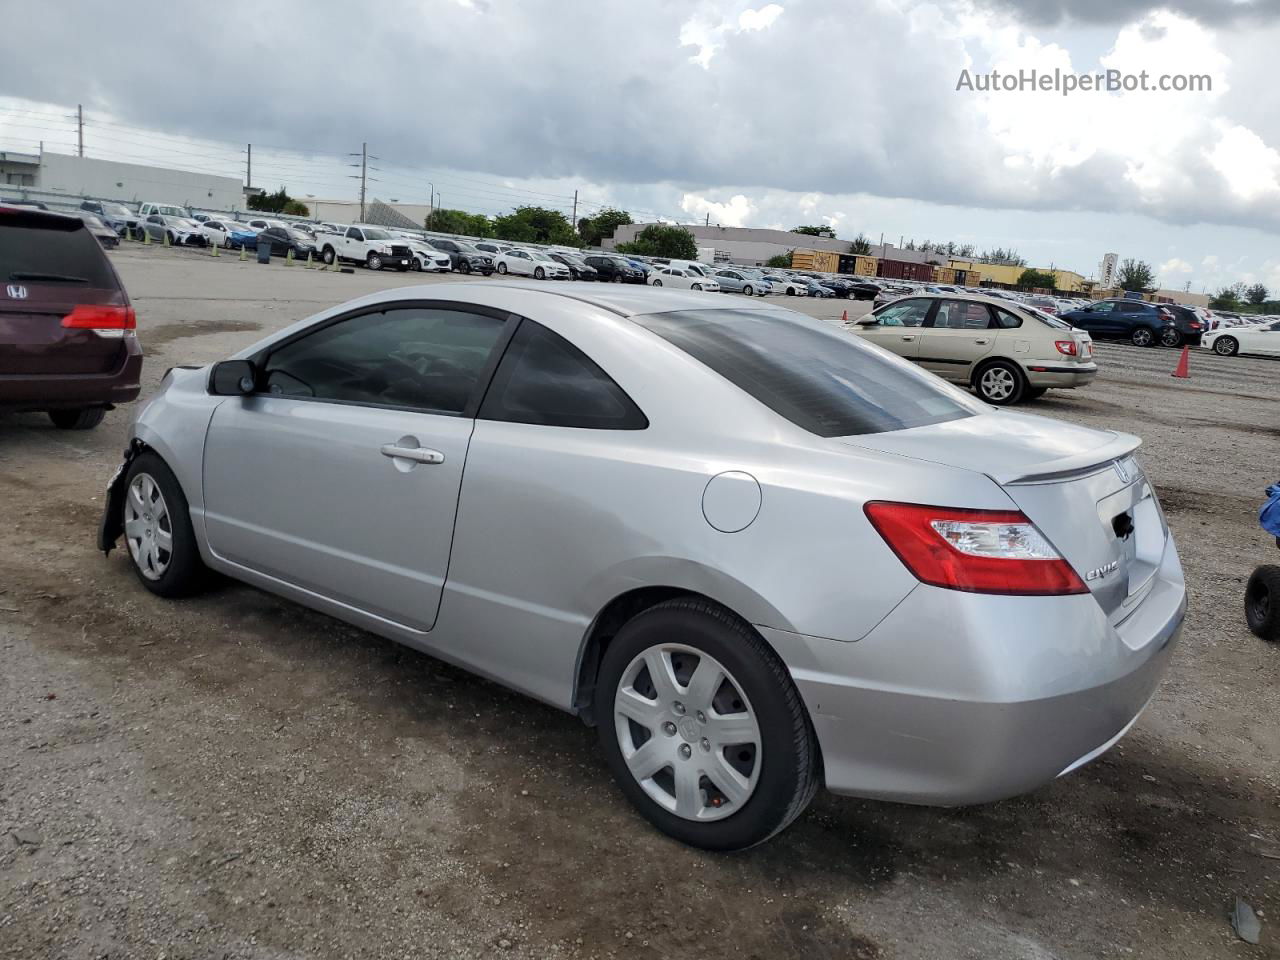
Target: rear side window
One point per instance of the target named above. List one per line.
(827, 382)
(544, 379)
(47, 249)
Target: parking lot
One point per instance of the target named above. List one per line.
(236, 776)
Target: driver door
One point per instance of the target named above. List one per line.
(899, 326)
(341, 474)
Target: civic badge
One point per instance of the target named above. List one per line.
(16, 291)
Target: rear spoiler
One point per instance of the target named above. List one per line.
(1101, 458)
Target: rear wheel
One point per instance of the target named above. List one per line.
(703, 728)
(1142, 337)
(1226, 346)
(1262, 603)
(83, 419)
(1170, 337)
(1001, 383)
(157, 529)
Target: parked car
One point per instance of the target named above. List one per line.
(223, 233)
(284, 240)
(107, 237)
(163, 209)
(1137, 321)
(258, 224)
(679, 278)
(115, 215)
(1006, 353)
(1047, 304)
(464, 257)
(427, 258)
(734, 281)
(579, 269)
(491, 248)
(1263, 340)
(698, 610)
(1187, 327)
(179, 230)
(613, 269)
(531, 263)
(372, 246)
(816, 289)
(864, 289)
(67, 329)
(789, 286)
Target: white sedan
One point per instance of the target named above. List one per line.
(426, 257)
(685, 279)
(1262, 339)
(530, 263)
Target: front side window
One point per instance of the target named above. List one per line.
(544, 379)
(1102, 306)
(422, 358)
(904, 313)
(823, 381)
(354, 234)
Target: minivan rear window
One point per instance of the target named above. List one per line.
(40, 248)
(825, 381)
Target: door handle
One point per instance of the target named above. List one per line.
(911, 337)
(416, 454)
(982, 340)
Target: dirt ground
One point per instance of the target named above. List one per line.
(236, 777)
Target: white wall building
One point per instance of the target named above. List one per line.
(77, 177)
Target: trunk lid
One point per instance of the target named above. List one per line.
(1082, 487)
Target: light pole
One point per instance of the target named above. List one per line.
(431, 216)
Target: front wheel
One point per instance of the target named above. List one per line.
(696, 286)
(703, 727)
(1001, 383)
(539, 274)
(657, 283)
(1142, 337)
(1262, 603)
(328, 256)
(85, 419)
(747, 290)
(415, 264)
(157, 529)
(464, 267)
(373, 262)
(617, 278)
(502, 268)
(1226, 346)
(1170, 337)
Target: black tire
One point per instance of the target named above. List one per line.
(1142, 337)
(1035, 393)
(791, 291)
(186, 572)
(83, 419)
(539, 273)
(373, 261)
(502, 268)
(989, 392)
(657, 283)
(1262, 603)
(695, 286)
(790, 763)
(748, 290)
(415, 264)
(617, 278)
(328, 256)
(464, 267)
(1226, 346)
(1170, 337)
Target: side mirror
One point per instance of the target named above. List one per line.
(870, 320)
(1087, 309)
(233, 378)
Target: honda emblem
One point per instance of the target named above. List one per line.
(16, 291)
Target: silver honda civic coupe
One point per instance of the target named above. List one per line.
(754, 551)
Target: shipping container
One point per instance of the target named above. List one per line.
(864, 266)
(905, 270)
(944, 275)
(972, 278)
(848, 264)
(820, 261)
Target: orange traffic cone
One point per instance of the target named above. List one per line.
(844, 318)
(1183, 371)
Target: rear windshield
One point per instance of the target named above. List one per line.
(38, 248)
(826, 381)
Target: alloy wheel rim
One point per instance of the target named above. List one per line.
(688, 734)
(1223, 346)
(148, 528)
(1142, 337)
(997, 383)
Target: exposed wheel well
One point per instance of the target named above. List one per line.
(606, 626)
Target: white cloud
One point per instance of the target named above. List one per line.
(1174, 265)
(1250, 168)
(735, 213)
(760, 19)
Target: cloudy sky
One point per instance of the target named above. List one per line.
(760, 114)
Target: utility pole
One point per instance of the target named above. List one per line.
(707, 222)
(80, 129)
(364, 173)
(431, 215)
(574, 221)
(248, 165)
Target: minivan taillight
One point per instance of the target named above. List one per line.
(104, 320)
(975, 551)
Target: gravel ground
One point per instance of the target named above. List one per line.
(236, 777)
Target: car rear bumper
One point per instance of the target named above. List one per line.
(1053, 375)
(959, 698)
(72, 391)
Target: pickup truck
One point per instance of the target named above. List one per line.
(164, 209)
(374, 247)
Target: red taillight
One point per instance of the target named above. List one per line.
(1066, 347)
(1194, 324)
(88, 316)
(976, 551)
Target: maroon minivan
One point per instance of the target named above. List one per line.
(67, 340)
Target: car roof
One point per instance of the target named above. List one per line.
(976, 297)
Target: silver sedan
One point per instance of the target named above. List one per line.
(754, 551)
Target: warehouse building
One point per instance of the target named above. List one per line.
(59, 174)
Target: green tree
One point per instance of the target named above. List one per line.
(780, 261)
(536, 225)
(460, 222)
(821, 230)
(1256, 294)
(662, 240)
(1228, 298)
(279, 202)
(1136, 275)
(860, 245)
(1031, 279)
(602, 225)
